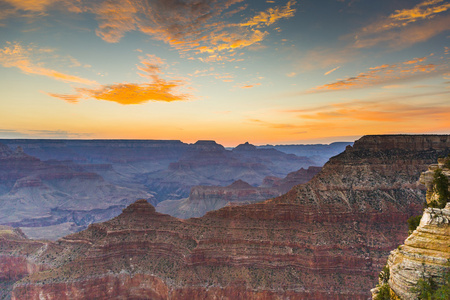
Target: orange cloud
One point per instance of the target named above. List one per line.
(158, 89)
(232, 40)
(151, 65)
(198, 29)
(413, 113)
(67, 98)
(14, 55)
(398, 31)
(415, 60)
(380, 111)
(424, 10)
(127, 93)
(406, 37)
(30, 5)
(115, 18)
(271, 15)
(401, 18)
(386, 74)
(249, 86)
(130, 93)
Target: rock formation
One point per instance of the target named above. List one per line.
(207, 198)
(425, 254)
(326, 239)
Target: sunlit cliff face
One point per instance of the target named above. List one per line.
(278, 71)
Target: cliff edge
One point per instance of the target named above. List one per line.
(420, 268)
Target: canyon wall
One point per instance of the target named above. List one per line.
(326, 239)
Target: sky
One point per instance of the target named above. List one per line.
(262, 71)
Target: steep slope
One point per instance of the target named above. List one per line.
(326, 239)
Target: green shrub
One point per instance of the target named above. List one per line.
(447, 162)
(384, 292)
(384, 275)
(413, 222)
(427, 289)
(440, 187)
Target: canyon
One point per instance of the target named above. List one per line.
(325, 239)
(51, 188)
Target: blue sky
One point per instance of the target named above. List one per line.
(279, 71)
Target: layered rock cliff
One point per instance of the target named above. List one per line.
(326, 239)
(425, 254)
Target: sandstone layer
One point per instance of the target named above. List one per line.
(425, 254)
(326, 239)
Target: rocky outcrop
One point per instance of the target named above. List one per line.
(427, 178)
(425, 254)
(326, 239)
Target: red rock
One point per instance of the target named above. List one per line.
(326, 239)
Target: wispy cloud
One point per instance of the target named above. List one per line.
(400, 30)
(407, 36)
(248, 86)
(387, 74)
(14, 55)
(30, 5)
(41, 133)
(397, 30)
(384, 112)
(400, 18)
(331, 71)
(410, 113)
(200, 28)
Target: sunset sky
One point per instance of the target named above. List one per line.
(275, 71)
